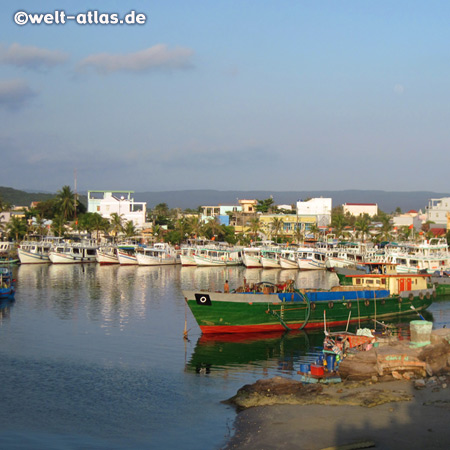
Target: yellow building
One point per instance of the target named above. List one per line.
(289, 223)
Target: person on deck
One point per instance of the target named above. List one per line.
(226, 287)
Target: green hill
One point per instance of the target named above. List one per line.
(22, 198)
(16, 197)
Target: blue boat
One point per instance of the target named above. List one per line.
(7, 288)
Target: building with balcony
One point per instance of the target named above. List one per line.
(121, 203)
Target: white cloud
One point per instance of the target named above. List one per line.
(156, 57)
(31, 57)
(14, 94)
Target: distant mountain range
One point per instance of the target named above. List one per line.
(387, 201)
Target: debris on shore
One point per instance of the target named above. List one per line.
(360, 371)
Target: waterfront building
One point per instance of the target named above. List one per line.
(412, 217)
(318, 207)
(437, 211)
(107, 203)
(357, 209)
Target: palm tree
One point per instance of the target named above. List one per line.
(66, 202)
(196, 226)
(212, 228)
(298, 234)
(17, 228)
(58, 226)
(386, 228)
(314, 229)
(276, 225)
(116, 226)
(255, 227)
(338, 223)
(129, 229)
(362, 225)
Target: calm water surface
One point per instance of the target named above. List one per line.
(94, 357)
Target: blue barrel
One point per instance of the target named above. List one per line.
(331, 359)
(305, 368)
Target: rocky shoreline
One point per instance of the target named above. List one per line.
(392, 396)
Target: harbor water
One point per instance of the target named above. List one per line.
(93, 357)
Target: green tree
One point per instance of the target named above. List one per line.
(130, 229)
(338, 223)
(65, 200)
(195, 226)
(264, 206)
(275, 226)
(362, 226)
(16, 228)
(386, 228)
(57, 226)
(212, 228)
(255, 227)
(116, 224)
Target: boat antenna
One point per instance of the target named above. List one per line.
(75, 195)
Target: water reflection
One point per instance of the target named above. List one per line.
(5, 309)
(252, 352)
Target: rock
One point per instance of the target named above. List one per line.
(420, 384)
(279, 390)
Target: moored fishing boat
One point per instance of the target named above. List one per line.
(126, 254)
(7, 288)
(158, 255)
(73, 253)
(270, 258)
(289, 259)
(251, 257)
(210, 257)
(36, 252)
(265, 307)
(107, 254)
(311, 259)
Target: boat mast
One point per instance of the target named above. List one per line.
(75, 195)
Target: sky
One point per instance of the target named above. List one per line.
(228, 95)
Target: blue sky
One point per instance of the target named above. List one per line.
(277, 95)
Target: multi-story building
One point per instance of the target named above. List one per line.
(107, 203)
(318, 207)
(437, 211)
(407, 219)
(356, 209)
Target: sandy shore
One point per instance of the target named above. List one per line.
(422, 422)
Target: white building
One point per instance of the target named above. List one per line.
(356, 209)
(107, 203)
(437, 210)
(407, 219)
(319, 207)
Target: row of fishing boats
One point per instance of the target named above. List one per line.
(58, 251)
(408, 257)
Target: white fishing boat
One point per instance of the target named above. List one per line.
(36, 252)
(74, 252)
(311, 259)
(159, 254)
(270, 258)
(187, 255)
(427, 257)
(251, 257)
(127, 254)
(289, 259)
(107, 254)
(217, 257)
